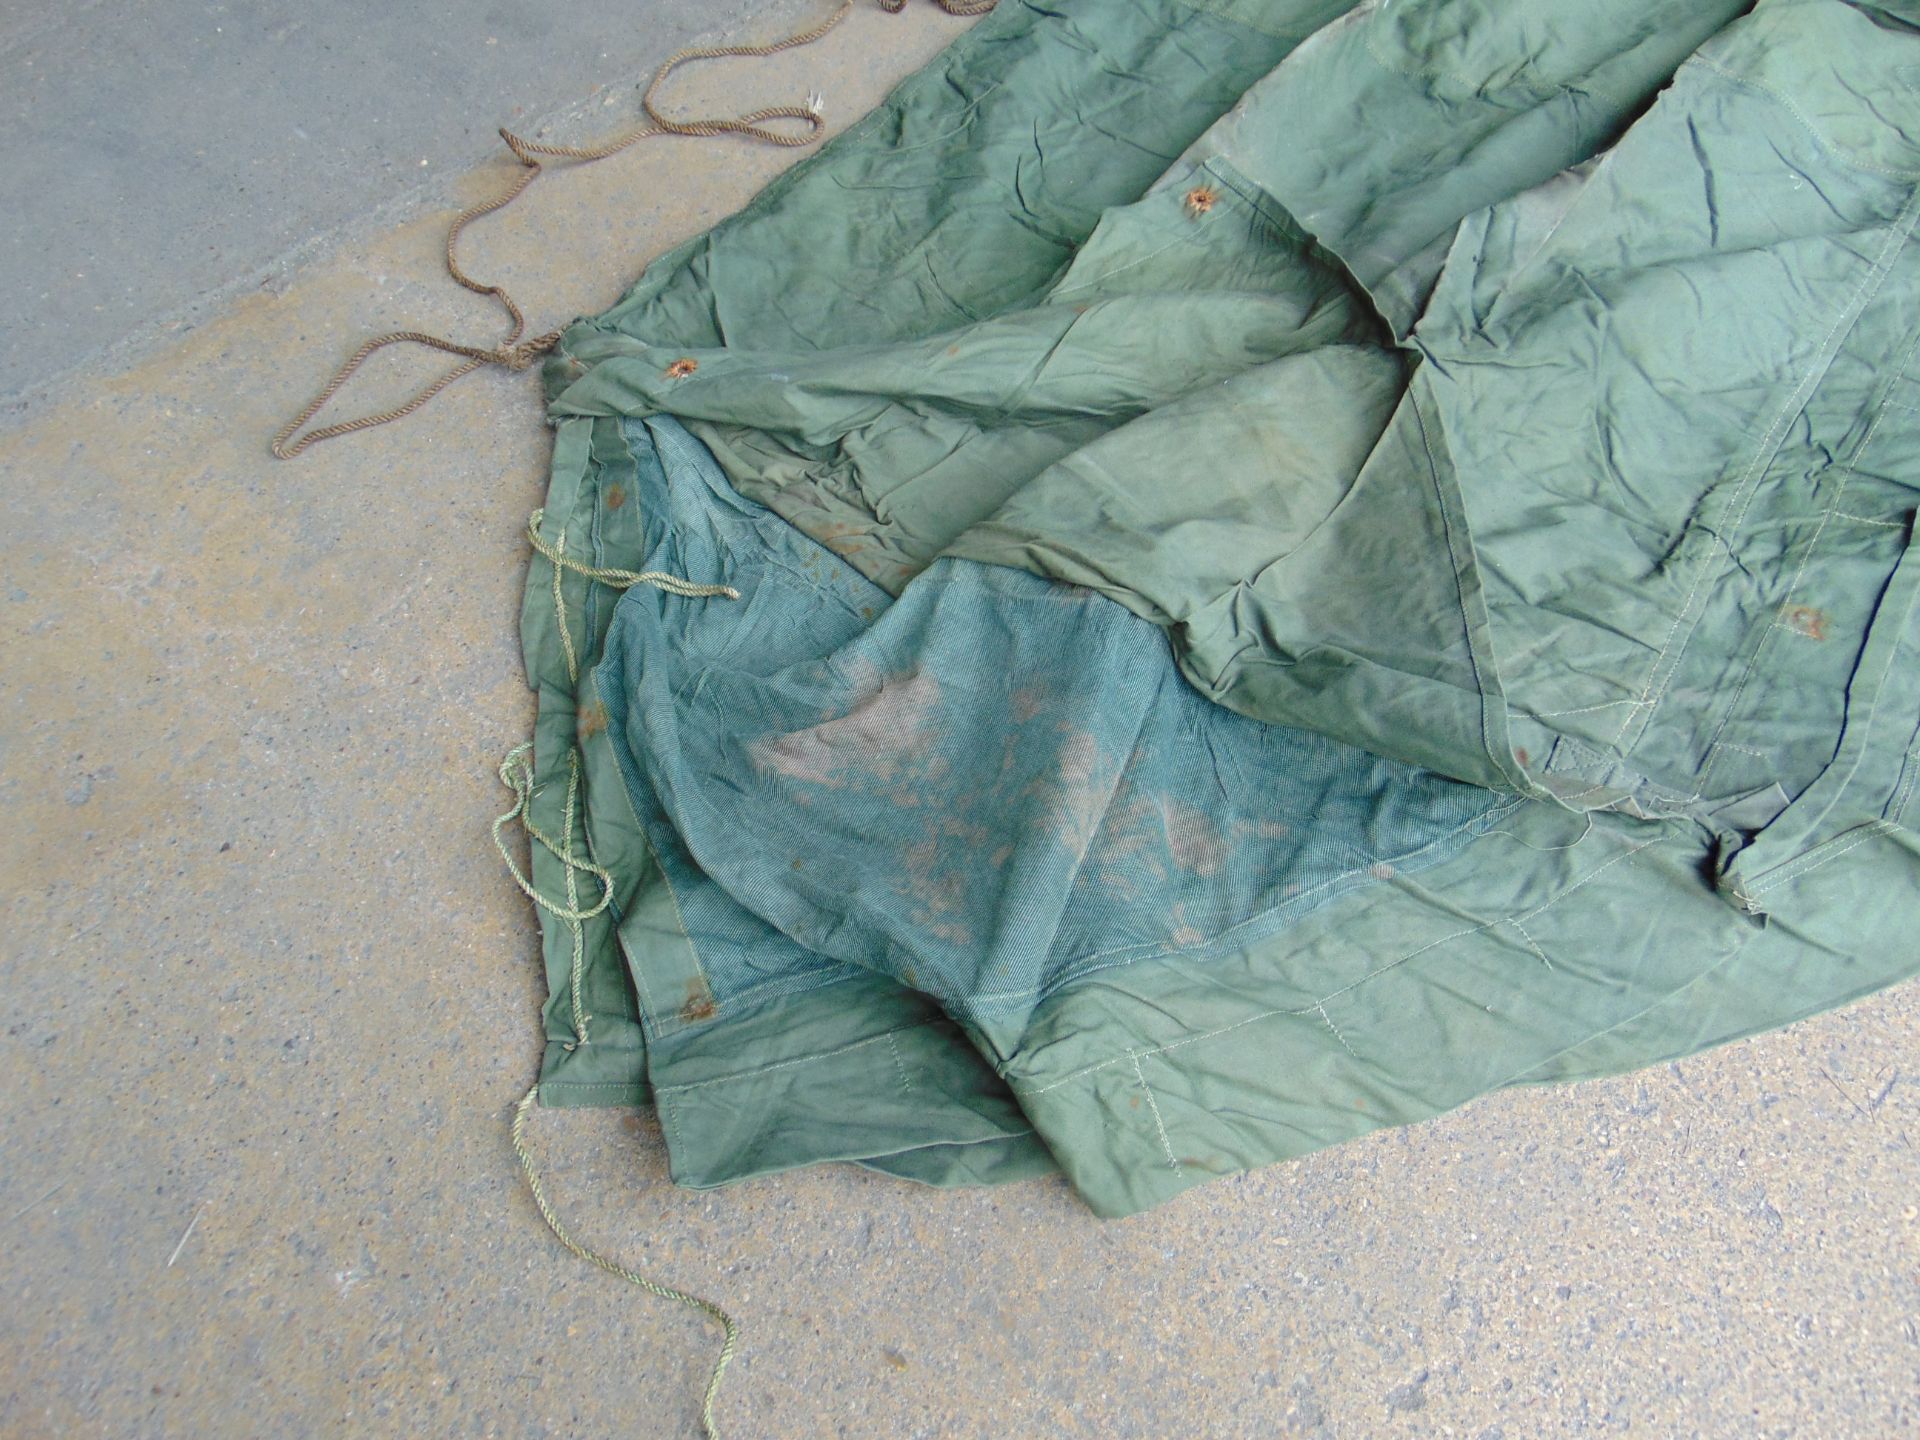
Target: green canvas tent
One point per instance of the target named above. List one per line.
(1218, 574)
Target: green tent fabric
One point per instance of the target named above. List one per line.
(1421, 493)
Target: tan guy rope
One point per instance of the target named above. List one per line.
(516, 352)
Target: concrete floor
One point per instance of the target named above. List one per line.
(166, 155)
(269, 997)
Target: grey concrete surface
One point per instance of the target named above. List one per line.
(162, 154)
(267, 998)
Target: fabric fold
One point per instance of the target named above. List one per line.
(1298, 563)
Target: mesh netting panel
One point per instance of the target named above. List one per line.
(985, 789)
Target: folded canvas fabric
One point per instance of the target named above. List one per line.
(1219, 574)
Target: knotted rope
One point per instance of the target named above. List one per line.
(516, 771)
(516, 352)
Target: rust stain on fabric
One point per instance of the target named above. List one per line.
(1075, 792)
(844, 540)
(699, 1004)
(1193, 840)
(1807, 620)
(1185, 934)
(883, 740)
(1027, 702)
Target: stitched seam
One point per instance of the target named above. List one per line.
(1582, 710)
(1814, 859)
(1219, 10)
(1793, 109)
(1571, 801)
(674, 1141)
(1886, 403)
(1749, 483)
(1769, 443)
(1336, 1032)
(1808, 384)
(899, 1064)
(1487, 701)
(1159, 1124)
(1806, 554)
(1127, 954)
(1186, 235)
(1540, 910)
(1532, 944)
(665, 1024)
(1094, 281)
(1906, 788)
(590, 610)
(651, 1017)
(1649, 799)
(787, 1064)
(777, 987)
(1059, 592)
(1766, 644)
(1336, 994)
(1530, 85)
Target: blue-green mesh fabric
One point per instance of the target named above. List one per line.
(987, 788)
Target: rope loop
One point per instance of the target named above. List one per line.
(619, 579)
(516, 773)
(513, 352)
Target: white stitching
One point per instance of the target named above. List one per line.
(1460, 569)
(1749, 482)
(1769, 444)
(1128, 954)
(1336, 994)
(1841, 154)
(1154, 1105)
(1336, 1032)
(906, 1083)
(785, 1064)
(1583, 710)
(1186, 235)
(673, 1138)
(1806, 555)
(1532, 944)
(1906, 790)
(1814, 859)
